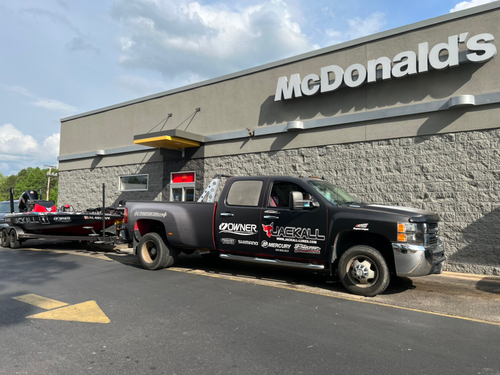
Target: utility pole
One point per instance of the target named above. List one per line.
(49, 174)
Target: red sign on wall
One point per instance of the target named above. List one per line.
(182, 178)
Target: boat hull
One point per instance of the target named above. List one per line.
(61, 223)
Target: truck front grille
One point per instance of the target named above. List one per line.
(433, 233)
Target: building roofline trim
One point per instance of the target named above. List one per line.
(304, 56)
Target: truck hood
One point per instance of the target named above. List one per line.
(415, 215)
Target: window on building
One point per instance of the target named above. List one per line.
(182, 186)
(137, 182)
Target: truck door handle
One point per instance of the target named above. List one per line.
(271, 217)
(226, 214)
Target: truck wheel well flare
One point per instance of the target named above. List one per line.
(376, 241)
(363, 271)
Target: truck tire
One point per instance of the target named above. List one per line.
(5, 238)
(153, 253)
(363, 271)
(15, 243)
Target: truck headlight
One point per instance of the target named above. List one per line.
(411, 233)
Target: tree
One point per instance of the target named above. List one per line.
(29, 179)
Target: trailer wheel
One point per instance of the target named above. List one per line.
(15, 243)
(363, 271)
(5, 238)
(153, 253)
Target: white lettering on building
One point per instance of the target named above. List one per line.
(441, 56)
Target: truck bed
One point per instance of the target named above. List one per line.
(188, 225)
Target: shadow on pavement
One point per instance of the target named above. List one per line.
(281, 275)
(20, 272)
(489, 285)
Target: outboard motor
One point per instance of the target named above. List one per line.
(27, 201)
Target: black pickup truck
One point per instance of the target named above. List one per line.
(299, 222)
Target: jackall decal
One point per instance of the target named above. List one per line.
(228, 241)
(268, 229)
(283, 247)
(363, 226)
(238, 229)
(246, 242)
(26, 220)
(293, 234)
(150, 214)
(301, 248)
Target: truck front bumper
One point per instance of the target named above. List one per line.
(415, 260)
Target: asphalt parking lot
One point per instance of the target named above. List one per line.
(66, 308)
(464, 296)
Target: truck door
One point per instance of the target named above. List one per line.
(297, 234)
(238, 215)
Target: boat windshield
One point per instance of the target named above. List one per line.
(5, 207)
(332, 193)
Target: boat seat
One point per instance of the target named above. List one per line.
(44, 206)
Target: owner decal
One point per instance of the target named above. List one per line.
(238, 229)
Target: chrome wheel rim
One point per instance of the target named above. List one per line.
(362, 271)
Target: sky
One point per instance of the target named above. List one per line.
(65, 57)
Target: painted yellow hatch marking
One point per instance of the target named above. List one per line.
(87, 312)
(39, 301)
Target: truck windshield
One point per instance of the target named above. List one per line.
(332, 193)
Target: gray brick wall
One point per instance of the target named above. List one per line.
(455, 175)
(82, 188)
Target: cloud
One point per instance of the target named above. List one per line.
(54, 105)
(182, 39)
(20, 90)
(19, 150)
(51, 104)
(358, 28)
(469, 4)
(79, 43)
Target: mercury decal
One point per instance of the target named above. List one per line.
(238, 229)
(301, 248)
(228, 241)
(283, 247)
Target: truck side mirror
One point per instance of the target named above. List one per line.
(296, 200)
